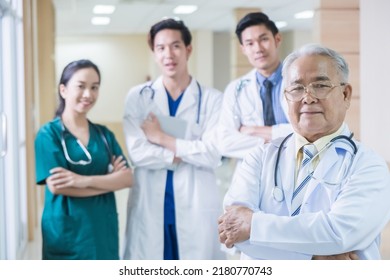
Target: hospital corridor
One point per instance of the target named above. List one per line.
(40, 39)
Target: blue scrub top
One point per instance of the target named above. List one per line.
(77, 227)
(171, 250)
(169, 202)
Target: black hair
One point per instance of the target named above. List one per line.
(255, 19)
(170, 24)
(67, 74)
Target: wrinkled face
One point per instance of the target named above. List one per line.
(260, 46)
(311, 117)
(170, 52)
(81, 92)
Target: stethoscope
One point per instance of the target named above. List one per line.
(150, 92)
(84, 149)
(278, 193)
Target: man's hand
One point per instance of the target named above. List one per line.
(344, 256)
(152, 129)
(235, 225)
(264, 132)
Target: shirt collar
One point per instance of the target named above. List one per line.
(274, 78)
(300, 141)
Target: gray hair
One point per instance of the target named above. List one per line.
(315, 49)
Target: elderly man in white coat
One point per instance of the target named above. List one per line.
(169, 127)
(317, 193)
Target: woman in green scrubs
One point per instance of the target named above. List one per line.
(81, 164)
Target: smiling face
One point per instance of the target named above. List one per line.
(170, 53)
(260, 46)
(313, 118)
(81, 92)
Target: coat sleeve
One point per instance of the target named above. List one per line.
(203, 151)
(354, 222)
(231, 142)
(244, 187)
(142, 153)
(246, 191)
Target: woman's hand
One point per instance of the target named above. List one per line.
(118, 164)
(63, 178)
(65, 182)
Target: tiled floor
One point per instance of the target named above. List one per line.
(34, 248)
(224, 176)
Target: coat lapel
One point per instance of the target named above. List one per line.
(328, 167)
(324, 167)
(254, 90)
(160, 97)
(190, 98)
(287, 171)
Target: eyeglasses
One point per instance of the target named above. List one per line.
(319, 90)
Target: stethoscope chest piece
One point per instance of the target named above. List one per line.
(278, 194)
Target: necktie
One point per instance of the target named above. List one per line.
(268, 112)
(303, 178)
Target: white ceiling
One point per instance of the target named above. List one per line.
(73, 17)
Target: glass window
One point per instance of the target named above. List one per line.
(2, 147)
(13, 214)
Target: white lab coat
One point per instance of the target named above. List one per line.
(198, 202)
(333, 219)
(244, 108)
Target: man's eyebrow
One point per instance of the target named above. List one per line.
(322, 78)
(258, 37)
(170, 44)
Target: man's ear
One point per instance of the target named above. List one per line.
(189, 51)
(347, 92)
(278, 40)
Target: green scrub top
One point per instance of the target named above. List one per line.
(84, 228)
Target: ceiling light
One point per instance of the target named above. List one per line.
(280, 24)
(100, 20)
(185, 9)
(103, 9)
(304, 15)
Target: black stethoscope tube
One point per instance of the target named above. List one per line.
(340, 137)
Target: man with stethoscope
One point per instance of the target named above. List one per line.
(317, 193)
(169, 126)
(254, 110)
